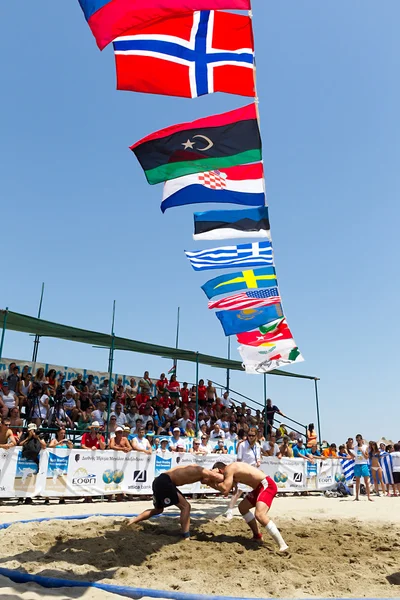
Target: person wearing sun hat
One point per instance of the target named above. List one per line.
(93, 439)
(119, 442)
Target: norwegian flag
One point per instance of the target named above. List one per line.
(248, 300)
(214, 180)
(188, 55)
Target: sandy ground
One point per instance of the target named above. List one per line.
(338, 548)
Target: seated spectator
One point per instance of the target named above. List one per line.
(180, 448)
(217, 433)
(85, 399)
(85, 419)
(293, 438)
(281, 432)
(7, 439)
(24, 389)
(70, 406)
(140, 443)
(311, 436)
(15, 423)
(271, 448)
(112, 425)
(220, 448)
(132, 415)
(78, 383)
(40, 407)
(299, 451)
(119, 442)
(147, 415)
(120, 416)
(164, 448)
(40, 376)
(226, 401)
(5, 374)
(60, 440)
(184, 421)
(149, 429)
(232, 435)
(93, 439)
(156, 443)
(69, 388)
(57, 416)
(131, 389)
(138, 425)
(330, 452)
(195, 449)
(100, 415)
(159, 420)
(92, 387)
(204, 447)
(285, 448)
(9, 399)
(104, 390)
(176, 439)
(190, 432)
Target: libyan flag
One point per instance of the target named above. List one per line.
(217, 142)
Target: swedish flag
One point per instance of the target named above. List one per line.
(252, 279)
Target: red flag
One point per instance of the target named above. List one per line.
(273, 332)
(188, 55)
(110, 18)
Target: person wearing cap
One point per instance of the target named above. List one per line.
(164, 448)
(9, 399)
(176, 438)
(93, 439)
(180, 448)
(127, 431)
(300, 451)
(140, 443)
(119, 442)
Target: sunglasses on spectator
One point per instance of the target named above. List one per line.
(251, 435)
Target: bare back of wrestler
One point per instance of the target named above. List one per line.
(264, 491)
(166, 493)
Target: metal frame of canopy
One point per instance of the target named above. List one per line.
(42, 328)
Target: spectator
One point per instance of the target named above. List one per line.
(69, 389)
(24, 388)
(112, 425)
(314, 453)
(174, 388)
(140, 443)
(180, 448)
(195, 449)
(170, 412)
(176, 438)
(271, 410)
(299, 451)
(190, 432)
(376, 470)
(285, 448)
(131, 389)
(31, 444)
(138, 425)
(202, 393)
(184, 420)
(185, 393)
(132, 415)
(119, 442)
(85, 399)
(41, 407)
(78, 383)
(147, 415)
(94, 439)
(226, 401)
(6, 373)
(330, 452)
(217, 433)
(161, 385)
(281, 432)
(7, 439)
(85, 419)
(15, 423)
(13, 379)
(395, 456)
(92, 387)
(220, 448)
(271, 448)
(70, 406)
(211, 393)
(360, 454)
(104, 390)
(120, 416)
(159, 420)
(248, 451)
(204, 447)
(9, 399)
(100, 415)
(156, 444)
(60, 440)
(57, 416)
(311, 436)
(39, 377)
(233, 436)
(164, 448)
(145, 385)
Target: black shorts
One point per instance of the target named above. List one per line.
(165, 492)
(396, 477)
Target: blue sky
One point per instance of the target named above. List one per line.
(79, 215)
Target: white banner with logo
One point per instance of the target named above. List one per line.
(80, 473)
(289, 474)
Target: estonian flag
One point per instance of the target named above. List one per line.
(226, 224)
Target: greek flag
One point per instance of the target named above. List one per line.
(386, 465)
(257, 254)
(348, 469)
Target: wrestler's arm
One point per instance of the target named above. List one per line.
(226, 486)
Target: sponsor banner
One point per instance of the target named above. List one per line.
(19, 477)
(329, 474)
(289, 474)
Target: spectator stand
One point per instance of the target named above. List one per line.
(41, 328)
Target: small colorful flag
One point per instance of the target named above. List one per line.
(253, 299)
(238, 321)
(227, 224)
(265, 359)
(252, 279)
(110, 18)
(188, 55)
(265, 334)
(172, 370)
(236, 185)
(216, 142)
(254, 254)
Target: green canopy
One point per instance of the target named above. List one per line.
(17, 322)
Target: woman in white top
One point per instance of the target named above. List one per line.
(248, 451)
(40, 409)
(23, 388)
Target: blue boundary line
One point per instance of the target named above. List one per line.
(130, 592)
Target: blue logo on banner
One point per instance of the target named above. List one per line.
(25, 467)
(57, 465)
(311, 469)
(161, 465)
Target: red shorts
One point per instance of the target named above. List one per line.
(263, 494)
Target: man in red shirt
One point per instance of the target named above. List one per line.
(93, 440)
(185, 393)
(141, 399)
(165, 400)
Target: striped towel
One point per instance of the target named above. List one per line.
(387, 467)
(348, 469)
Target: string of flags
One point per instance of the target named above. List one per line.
(191, 48)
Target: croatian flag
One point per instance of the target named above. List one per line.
(110, 18)
(188, 55)
(234, 185)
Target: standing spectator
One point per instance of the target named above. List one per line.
(93, 440)
(311, 436)
(185, 393)
(174, 388)
(395, 457)
(248, 451)
(13, 379)
(145, 385)
(24, 388)
(140, 443)
(202, 393)
(271, 448)
(360, 454)
(211, 392)
(119, 442)
(161, 385)
(271, 410)
(376, 470)
(51, 378)
(41, 407)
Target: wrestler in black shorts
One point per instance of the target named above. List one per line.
(165, 492)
